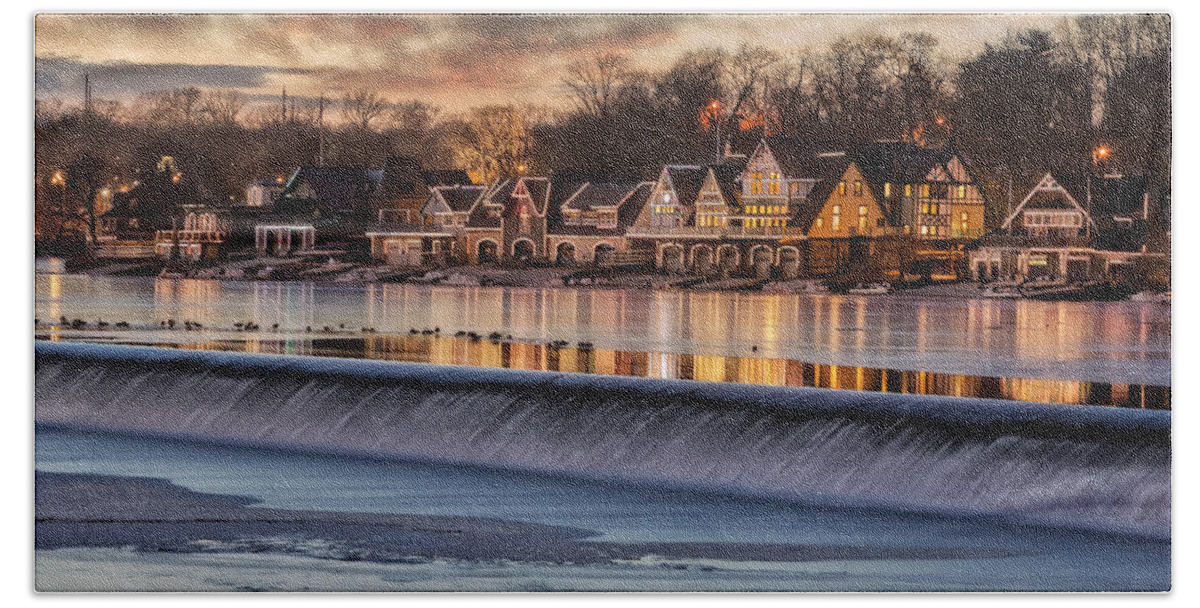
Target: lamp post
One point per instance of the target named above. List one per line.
(715, 108)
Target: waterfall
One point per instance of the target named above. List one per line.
(1064, 465)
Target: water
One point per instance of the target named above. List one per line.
(1124, 342)
(1092, 467)
(1072, 498)
(1036, 558)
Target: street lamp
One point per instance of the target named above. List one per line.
(715, 108)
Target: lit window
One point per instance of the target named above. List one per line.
(862, 217)
(774, 188)
(925, 190)
(964, 216)
(924, 229)
(755, 187)
(842, 188)
(887, 190)
(924, 207)
(962, 191)
(774, 175)
(820, 223)
(933, 209)
(857, 188)
(907, 189)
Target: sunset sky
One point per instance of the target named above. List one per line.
(454, 61)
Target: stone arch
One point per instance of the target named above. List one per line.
(728, 257)
(789, 262)
(702, 259)
(601, 251)
(523, 250)
(564, 254)
(761, 259)
(488, 251)
(671, 257)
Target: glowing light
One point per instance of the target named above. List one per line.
(57, 178)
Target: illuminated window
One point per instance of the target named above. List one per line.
(836, 221)
(907, 189)
(755, 187)
(933, 209)
(774, 175)
(857, 188)
(774, 188)
(924, 207)
(962, 191)
(820, 223)
(842, 188)
(924, 229)
(887, 190)
(862, 217)
(925, 190)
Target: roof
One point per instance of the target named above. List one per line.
(497, 193)
(828, 171)
(687, 181)
(460, 199)
(728, 177)
(446, 177)
(593, 195)
(335, 184)
(631, 198)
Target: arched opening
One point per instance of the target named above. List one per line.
(672, 258)
(488, 252)
(702, 260)
(565, 254)
(727, 258)
(789, 263)
(761, 259)
(602, 255)
(523, 250)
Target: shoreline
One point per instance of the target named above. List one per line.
(153, 515)
(362, 275)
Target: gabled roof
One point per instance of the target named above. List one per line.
(335, 184)
(728, 178)
(687, 181)
(459, 199)
(539, 193)
(446, 177)
(628, 197)
(593, 195)
(828, 170)
(495, 195)
(628, 212)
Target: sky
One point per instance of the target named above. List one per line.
(452, 61)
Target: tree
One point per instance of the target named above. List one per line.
(83, 178)
(363, 107)
(595, 83)
(493, 142)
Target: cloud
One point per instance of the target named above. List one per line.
(452, 60)
(56, 75)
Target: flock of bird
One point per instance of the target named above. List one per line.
(188, 325)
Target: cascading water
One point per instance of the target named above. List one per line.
(1080, 466)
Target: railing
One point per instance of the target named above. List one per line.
(190, 236)
(714, 231)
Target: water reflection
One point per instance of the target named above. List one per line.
(711, 368)
(1119, 341)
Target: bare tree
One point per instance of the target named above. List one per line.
(595, 83)
(223, 106)
(363, 107)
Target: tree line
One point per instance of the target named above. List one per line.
(1034, 101)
